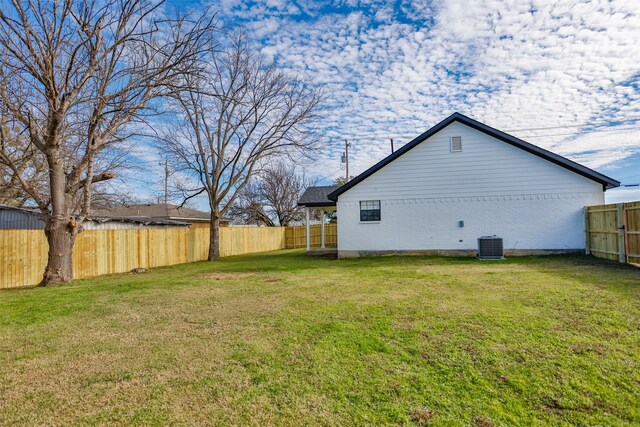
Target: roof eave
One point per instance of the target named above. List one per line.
(185, 218)
(317, 204)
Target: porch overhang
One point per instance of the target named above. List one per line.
(315, 198)
(320, 207)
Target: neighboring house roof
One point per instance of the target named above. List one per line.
(14, 218)
(317, 196)
(156, 210)
(509, 139)
(33, 211)
(139, 220)
(31, 218)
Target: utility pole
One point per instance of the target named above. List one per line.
(166, 182)
(347, 144)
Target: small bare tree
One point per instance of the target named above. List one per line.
(29, 166)
(73, 75)
(272, 197)
(248, 208)
(233, 121)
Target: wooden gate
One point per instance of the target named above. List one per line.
(613, 231)
(632, 232)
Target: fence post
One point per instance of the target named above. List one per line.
(622, 256)
(308, 230)
(322, 229)
(625, 223)
(587, 239)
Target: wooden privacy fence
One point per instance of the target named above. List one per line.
(296, 237)
(23, 253)
(613, 231)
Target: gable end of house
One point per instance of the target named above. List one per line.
(577, 168)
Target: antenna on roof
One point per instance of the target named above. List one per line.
(391, 145)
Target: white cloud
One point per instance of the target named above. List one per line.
(513, 65)
(622, 195)
(393, 72)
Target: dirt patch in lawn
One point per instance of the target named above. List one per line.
(223, 275)
(421, 416)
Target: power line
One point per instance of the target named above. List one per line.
(630, 176)
(330, 175)
(128, 178)
(412, 136)
(575, 126)
(592, 124)
(583, 133)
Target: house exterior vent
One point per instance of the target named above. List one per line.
(456, 143)
(490, 247)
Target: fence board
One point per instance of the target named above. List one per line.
(23, 253)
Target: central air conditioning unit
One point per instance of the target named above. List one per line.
(490, 247)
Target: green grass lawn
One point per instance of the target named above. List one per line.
(282, 339)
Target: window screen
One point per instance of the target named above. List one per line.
(456, 143)
(370, 210)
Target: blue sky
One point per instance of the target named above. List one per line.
(564, 75)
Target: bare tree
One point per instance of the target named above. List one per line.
(244, 113)
(73, 75)
(272, 197)
(248, 208)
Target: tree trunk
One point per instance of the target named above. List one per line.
(61, 234)
(61, 230)
(214, 238)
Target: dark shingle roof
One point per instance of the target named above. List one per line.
(509, 139)
(154, 210)
(140, 220)
(27, 210)
(32, 219)
(317, 196)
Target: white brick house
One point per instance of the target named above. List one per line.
(461, 180)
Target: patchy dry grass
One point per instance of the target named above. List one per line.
(281, 339)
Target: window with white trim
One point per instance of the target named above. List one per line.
(369, 210)
(456, 143)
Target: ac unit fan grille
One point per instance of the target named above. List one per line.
(490, 247)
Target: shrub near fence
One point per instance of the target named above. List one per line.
(23, 253)
(613, 231)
